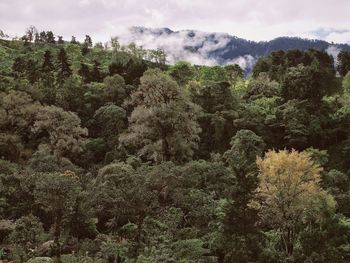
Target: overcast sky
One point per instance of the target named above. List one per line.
(250, 19)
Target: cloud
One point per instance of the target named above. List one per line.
(246, 62)
(250, 19)
(196, 47)
(333, 51)
(339, 37)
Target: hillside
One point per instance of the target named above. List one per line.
(218, 48)
(108, 154)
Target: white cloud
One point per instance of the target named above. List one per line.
(339, 37)
(178, 45)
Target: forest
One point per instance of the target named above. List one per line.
(108, 154)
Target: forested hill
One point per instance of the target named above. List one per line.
(219, 48)
(109, 155)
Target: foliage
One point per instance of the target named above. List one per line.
(108, 154)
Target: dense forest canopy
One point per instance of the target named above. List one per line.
(108, 154)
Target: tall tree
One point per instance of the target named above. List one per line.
(63, 67)
(57, 194)
(343, 62)
(289, 195)
(47, 77)
(84, 72)
(96, 74)
(65, 135)
(163, 124)
(31, 32)
(50, 37)
(240, 231)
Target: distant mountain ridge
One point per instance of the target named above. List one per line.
(218, 48)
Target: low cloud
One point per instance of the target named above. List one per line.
(333, 51)
(195, 47)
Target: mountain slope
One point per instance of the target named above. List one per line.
(218, 48)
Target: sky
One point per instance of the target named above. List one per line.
(250, 19)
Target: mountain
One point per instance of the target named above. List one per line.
(205, 48)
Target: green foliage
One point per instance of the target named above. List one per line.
(165, 170)
(163, 124)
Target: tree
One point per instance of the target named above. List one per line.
(17, 114)
(115, 89)
(19, 67)
(47, 77)
(60, 40)
(219, 106)
(31, 32)
(28, 233)
(163, 124)
(84, 72)
(57, 194)
(63, 66)
(234, 72)
(86, 45)
(240, 232)
(108, 122)
(182, 72)
(88, 41)
(32, 71)
(343, 62)
(95, 74)
(50, 38)
(73, 40)
(42, 37)
(346, 83)
(308, 82)
(65, 135)
(262, 86)
(289, 195)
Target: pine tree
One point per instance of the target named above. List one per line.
(95, 73)
(47, 77)
(32, 71)
(63, 67)
(18, 67)
(84, 72)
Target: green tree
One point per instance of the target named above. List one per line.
(63, 67)
(28, 233)
(182, 72)
(108, 122)
(219, 106)
(65, 135)
(57, 194)
(343, 62)
(163, 124)
(47, 78)
(262, 86)
(346, 83)
(240, 232)
(115, 89)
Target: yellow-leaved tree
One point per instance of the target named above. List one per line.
(289, 196)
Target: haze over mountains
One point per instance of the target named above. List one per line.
(218, 48)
